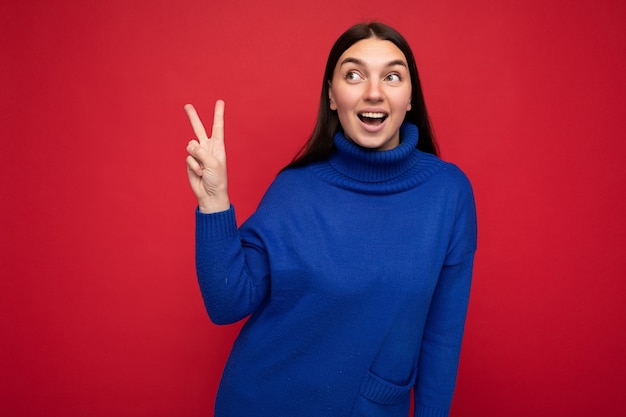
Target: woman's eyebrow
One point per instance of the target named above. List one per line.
(357, 61)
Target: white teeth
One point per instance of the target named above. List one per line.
(371, 115)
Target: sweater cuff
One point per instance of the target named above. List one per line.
(216, 226)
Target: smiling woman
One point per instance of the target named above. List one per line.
(371, 93)
(321, 143)
(355, 269)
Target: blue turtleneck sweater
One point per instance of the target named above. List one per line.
(355, 273)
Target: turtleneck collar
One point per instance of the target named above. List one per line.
(373, 166)
(367, 171)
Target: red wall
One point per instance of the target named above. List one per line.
(100, 313)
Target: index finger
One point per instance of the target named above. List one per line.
(196, 123)
(217, 132)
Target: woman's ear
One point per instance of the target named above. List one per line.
(331, 98)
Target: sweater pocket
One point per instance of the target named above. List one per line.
(379, 397)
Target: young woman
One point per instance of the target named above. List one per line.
(355, 269)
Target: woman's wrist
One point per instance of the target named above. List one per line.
(214, 204)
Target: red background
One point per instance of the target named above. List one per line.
(100, 311)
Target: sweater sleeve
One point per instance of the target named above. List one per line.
(233, 274)
(441, 343)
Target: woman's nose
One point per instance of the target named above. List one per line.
(373, 92)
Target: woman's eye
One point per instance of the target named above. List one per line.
(352, 76)
(394, 78)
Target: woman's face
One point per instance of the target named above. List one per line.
(371, 92)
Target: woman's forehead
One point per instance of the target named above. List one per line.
(372, 50)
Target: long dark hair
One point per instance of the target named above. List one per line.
(320, 145)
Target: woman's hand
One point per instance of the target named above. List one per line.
(206, 163)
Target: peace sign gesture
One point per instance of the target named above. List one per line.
(206, 163)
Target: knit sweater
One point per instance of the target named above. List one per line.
(355, 274)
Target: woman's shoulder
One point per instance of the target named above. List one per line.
(446, 171)
(289, 185)
(292, 179)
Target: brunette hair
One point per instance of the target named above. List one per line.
(320, 144)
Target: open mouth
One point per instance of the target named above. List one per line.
(371, 118)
